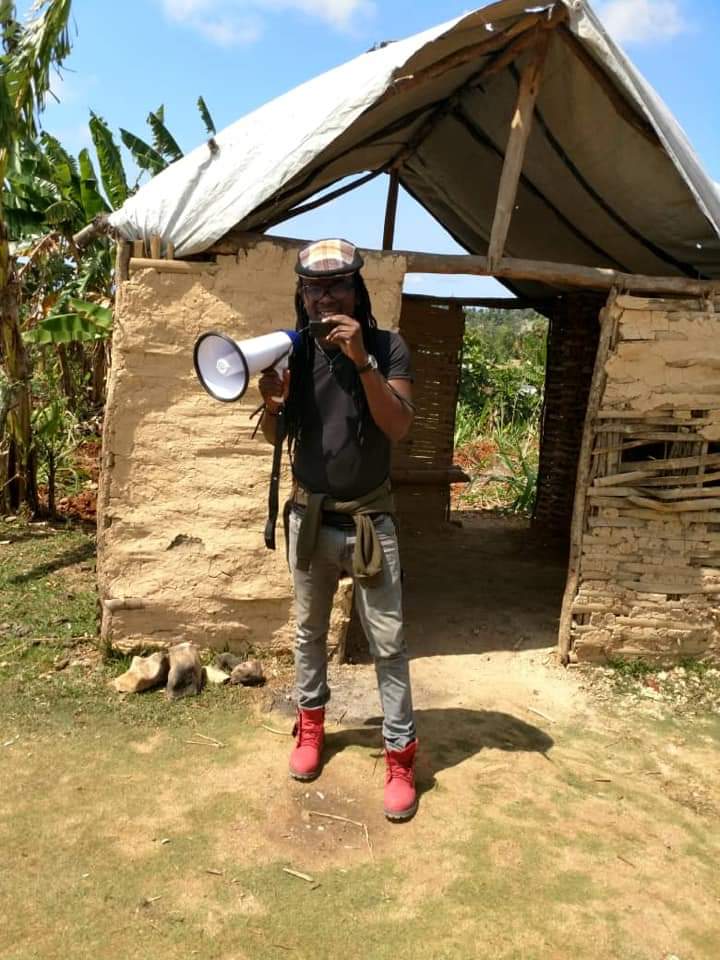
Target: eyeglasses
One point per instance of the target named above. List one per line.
(337, 288)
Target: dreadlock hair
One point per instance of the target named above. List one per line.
(302, 362)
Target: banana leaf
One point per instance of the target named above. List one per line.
(112, 172)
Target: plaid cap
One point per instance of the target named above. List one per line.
(328, 258)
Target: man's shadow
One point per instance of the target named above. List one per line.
(448, 736)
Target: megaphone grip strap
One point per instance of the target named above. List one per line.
(274, 492)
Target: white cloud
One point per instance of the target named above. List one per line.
(642, 21)
(237, 22)
(231, 32)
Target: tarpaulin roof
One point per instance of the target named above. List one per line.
(609, 177)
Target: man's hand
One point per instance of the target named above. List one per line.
(274, 389)
(348, 336)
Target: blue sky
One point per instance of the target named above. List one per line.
(130, 57)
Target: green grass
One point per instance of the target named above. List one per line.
(48, 620)
(46, 581)
(519, 864)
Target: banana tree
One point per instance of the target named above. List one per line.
(67, 293)
(30, 51)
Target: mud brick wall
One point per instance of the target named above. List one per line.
(650, 564)
(434, 335)
(184, 486)
(571, 348)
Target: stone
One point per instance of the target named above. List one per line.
(227, 661)
(144, 674)
(215, 675)
(249, 674)
(185, 678)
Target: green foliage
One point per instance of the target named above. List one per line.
(521, 474)
(31, 51)
(145, 156)
(85, 321)
(163, 141)
(207, 119)
(501, 395)
(633, 669)
(48, 195)
(112, 171)
(503, 367)
(93, 203)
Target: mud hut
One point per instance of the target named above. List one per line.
(532, 139)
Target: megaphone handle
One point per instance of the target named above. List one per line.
(274, 492)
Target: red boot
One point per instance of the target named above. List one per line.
(400, 796)
(309, 733)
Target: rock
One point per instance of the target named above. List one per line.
(215, 675)
(186, 674)
(227, 661)
(144, 674)
(249, 673)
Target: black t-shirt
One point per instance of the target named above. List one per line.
(332, 456)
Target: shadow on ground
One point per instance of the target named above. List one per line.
(85, 551)
(447, 737)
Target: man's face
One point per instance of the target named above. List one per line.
(324, 297)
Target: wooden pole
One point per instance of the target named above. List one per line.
(557, 274)
(97, 227)
(321, 201)
(608, 331)
(391, 210)
(551, 274)
(123, 252)
(171, 266)
(520, 127)
(462, 57)
(489, 303)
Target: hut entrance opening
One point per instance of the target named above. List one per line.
(478, 577)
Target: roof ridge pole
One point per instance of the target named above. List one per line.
(391, 209)
(520, 127)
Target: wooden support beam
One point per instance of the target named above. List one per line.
(549, 273)
(520, 127)
(321, 201)
(391, 210)
(123, 252)
(608, 331)
(99, 226)
(557, 274)
(171, 266)
(460, 58)
(489, 303)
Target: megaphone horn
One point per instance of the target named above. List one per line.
(224, 366)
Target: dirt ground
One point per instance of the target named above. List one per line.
(552, 826)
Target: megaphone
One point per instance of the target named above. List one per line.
(224, 366)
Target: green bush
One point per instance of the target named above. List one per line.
(503, 368)
(500, 400)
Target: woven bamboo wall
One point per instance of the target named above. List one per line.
(572, 344)
(649, 569)
(434, 335)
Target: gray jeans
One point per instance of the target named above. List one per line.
(380, 610)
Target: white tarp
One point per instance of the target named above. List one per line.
(651, 206)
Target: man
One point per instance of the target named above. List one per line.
(344, 400)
